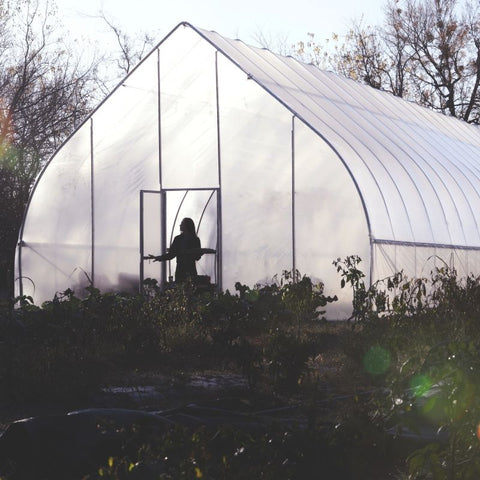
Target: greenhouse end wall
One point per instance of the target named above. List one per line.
(267, 192)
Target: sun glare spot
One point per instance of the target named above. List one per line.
(420, 384)
(376, 360)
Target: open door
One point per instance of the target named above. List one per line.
(160, 215)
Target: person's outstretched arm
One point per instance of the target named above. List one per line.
(161, 258)
(172, 253)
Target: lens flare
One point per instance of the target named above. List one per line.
(376, 360)
(420, 385)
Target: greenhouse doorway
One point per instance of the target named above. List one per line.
(160, 215)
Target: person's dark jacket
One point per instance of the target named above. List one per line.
(181, 249)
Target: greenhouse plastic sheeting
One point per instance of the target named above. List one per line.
(281, 166)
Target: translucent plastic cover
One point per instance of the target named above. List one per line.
(55, 250)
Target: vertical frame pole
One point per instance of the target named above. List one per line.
(20, 274)
(159, 113)
(294, 248)
(163, 235)
(92, 201)
(163, 195)
(142, 238)
(372, 259)
(219, 191)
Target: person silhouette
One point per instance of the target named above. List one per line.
(186, 247)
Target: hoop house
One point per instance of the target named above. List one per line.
(281, 166)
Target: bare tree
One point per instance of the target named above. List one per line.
(129, 51)
(397, 52)
(276, 43)
(45, 91)
(442, 50)
(426, 50)
(362, 57)
(315, 52)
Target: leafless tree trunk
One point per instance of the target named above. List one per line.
(45, 91)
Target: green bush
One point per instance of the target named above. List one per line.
(410, 362)
(275, 452)
(422, 347)
(72, 346)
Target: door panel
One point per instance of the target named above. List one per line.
(150, 234)
(161, 215)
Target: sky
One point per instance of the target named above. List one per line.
(288, 20)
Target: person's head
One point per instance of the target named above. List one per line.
(188, 226)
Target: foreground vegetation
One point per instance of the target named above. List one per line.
(392, 393)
